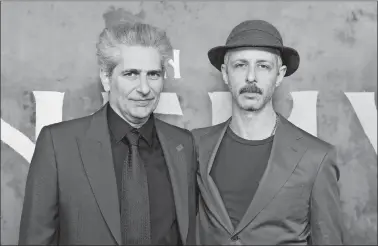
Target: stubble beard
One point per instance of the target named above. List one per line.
(260, 107)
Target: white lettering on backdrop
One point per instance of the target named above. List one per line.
(49, 107)
(49, 110)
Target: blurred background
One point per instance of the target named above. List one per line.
(50, 46)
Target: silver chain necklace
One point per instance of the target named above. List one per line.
(275, 126)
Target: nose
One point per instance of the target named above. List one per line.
(144, 87)
(251, 75)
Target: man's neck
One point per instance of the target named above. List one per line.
(137, 125)
(253, 125)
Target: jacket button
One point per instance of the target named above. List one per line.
(235, 238)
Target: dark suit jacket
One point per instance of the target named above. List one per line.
(71, 193)
(298, 195)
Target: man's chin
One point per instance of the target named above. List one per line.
(142, 113)
(251, 108)
(247, 106)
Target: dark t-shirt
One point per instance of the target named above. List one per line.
(237, 171)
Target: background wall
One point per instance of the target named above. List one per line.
(50, 46)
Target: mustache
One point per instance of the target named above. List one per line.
(250, 89)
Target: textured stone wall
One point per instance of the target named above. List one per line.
(50, 46)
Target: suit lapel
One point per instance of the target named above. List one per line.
(208, 148)
(177, 167)
(96, 154)
(285, 155)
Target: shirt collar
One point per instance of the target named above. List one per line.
(118, 127)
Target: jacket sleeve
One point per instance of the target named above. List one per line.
(327, 226)
(40, 218)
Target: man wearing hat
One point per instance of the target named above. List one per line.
(262, 180)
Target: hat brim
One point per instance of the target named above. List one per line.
(290, 56)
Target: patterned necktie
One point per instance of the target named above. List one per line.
(135, 207)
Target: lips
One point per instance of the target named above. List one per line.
(142, 102)
(251, 95)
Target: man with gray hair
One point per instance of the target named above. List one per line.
(262, 180)
(119, 176)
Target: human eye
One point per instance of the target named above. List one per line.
(131, 74)
(239, 65)
(154, 75)
(264, 66)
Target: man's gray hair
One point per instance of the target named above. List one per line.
(130, 34)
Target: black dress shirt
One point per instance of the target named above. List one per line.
(164, 228)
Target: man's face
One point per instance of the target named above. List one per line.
(136, 83)
(252, 76)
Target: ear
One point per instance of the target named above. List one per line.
(224, 73)
(281, 74)
(105, 80)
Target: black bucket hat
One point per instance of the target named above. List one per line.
(256, 33)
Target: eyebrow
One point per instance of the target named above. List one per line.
(139, 71)
(264, 61)
(240, 60)
(258, 61)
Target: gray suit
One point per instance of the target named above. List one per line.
(298, 195)
(71, 193)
